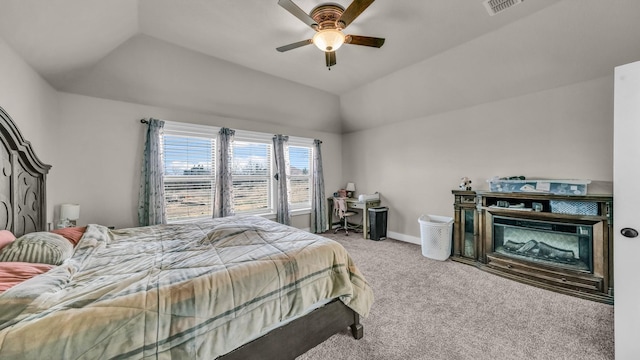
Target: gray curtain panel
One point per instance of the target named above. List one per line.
(223, 195)
(318, 202)
(151, 210)
(282, 176)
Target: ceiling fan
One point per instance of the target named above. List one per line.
(328, 20)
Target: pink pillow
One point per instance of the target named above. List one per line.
(6, 238)
(13, 273)
(73, 234)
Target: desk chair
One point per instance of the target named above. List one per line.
(340, 208)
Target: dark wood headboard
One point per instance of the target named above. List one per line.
(23, 200)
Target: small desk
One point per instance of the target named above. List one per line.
(354, 204)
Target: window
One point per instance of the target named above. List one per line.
(189, 164)
(252, 174)
(189, 171)
(300, 162)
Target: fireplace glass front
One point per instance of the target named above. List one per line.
(563, 245)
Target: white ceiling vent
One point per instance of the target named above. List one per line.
(496, 6)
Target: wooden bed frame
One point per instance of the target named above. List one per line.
(23, 210)
(297, 337)
(22, 182)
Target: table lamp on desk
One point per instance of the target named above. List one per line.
(351, 189)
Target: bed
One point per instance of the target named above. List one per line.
(239, 287)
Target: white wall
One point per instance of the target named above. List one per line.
(145, 70)
(30, 101)
(98, 155)
(559, 133)
(94, 145)
(566, 43)
(103, 138)
(562, 133)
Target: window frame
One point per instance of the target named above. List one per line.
(301, 142)
(211, 132)
(267, 139)
(197, 131)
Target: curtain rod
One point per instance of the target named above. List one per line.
(144, 121)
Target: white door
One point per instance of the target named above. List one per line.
(626, 214)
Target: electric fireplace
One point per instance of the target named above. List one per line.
(554, 252)
(563, 245)
(557, 242)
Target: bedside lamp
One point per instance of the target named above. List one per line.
(69, 213)
(351, 188)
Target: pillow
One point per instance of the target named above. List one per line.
(13, 273)
(73, 234)
(6, 237)
(38, 247)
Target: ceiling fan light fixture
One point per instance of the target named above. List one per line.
(328, 39)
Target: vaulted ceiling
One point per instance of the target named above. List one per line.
(64, 40)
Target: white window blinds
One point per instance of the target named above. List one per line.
(189, 165)
(189, 171)
(252, 173)
(300, 160)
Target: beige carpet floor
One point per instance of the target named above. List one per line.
(429, 309)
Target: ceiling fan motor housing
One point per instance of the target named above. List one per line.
(327, 15)
(329, 20)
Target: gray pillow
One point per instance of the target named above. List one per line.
(38, 247)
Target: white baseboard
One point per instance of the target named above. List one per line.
(405, 238)
(395, 236)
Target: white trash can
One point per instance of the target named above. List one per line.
(435, 233)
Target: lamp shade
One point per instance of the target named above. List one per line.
(70, 211)
(351, 187)
(329, 39)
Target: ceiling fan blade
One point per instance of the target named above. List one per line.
(330, 57)
(356, 8)
(294, 45)
(364, 40)
(297, 12)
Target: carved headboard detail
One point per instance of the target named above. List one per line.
(22, 182)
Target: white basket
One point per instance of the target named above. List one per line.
(435, 233)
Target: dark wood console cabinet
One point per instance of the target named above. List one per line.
(502, 234)
(466, 246)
